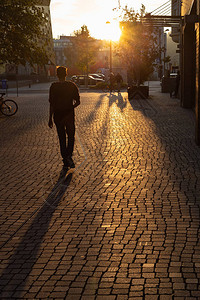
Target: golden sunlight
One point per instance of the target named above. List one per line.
(107, 31)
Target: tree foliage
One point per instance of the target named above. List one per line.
(84, 50)
(21, 28)
(137, 47)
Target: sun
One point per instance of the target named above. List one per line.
(106, 31)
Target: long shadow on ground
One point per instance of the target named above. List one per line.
(16, 274)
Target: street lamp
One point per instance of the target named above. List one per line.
(110, 51)
(165, 48)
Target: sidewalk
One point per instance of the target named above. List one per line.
(29, 89)
(125, 225)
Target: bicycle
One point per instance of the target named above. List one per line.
(8, 107)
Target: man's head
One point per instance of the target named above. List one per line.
(61, 72)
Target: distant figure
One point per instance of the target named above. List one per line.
(177, 84)
(119, 81)
(63, 98)
(174, 93)
(112, 81)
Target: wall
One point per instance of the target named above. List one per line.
(186, 7)
(171, 51)
(48, 30)
(176, 11)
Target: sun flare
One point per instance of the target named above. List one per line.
(107, 31)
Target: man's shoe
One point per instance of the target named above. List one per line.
(70, 162)
(64, 170)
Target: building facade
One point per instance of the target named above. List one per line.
(174, 42)
(49, 69)
(176, 11)
(171, 51)
(60, 48)
(190, 78)
(45, 4)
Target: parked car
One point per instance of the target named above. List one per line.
(101, 76)
(95, 79)
(81, 79)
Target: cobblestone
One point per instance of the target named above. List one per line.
(124, 225)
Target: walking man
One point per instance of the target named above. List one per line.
(112, 81)
(119, 81)
(177, 84)
(174, 93)
(63, 98)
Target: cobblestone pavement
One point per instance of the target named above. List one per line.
(124, 225)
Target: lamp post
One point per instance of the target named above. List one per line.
(110, 51)
(165, 48)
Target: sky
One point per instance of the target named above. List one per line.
(69, 15)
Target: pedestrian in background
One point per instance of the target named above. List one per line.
(174, 93)
(119, 81)
(177, 84)
(63, 98)
(112, 81)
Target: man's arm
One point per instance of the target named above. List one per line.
(76, 98)
(76, 102)
(50, 116)
(50, 123)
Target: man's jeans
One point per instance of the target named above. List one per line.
(63, 128)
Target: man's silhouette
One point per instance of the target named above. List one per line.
(63, 98)
(119, 81)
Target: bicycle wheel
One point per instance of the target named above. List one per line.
(9, 107)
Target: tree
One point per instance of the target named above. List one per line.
(21, 29)
(137, 46)
(85, 50)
